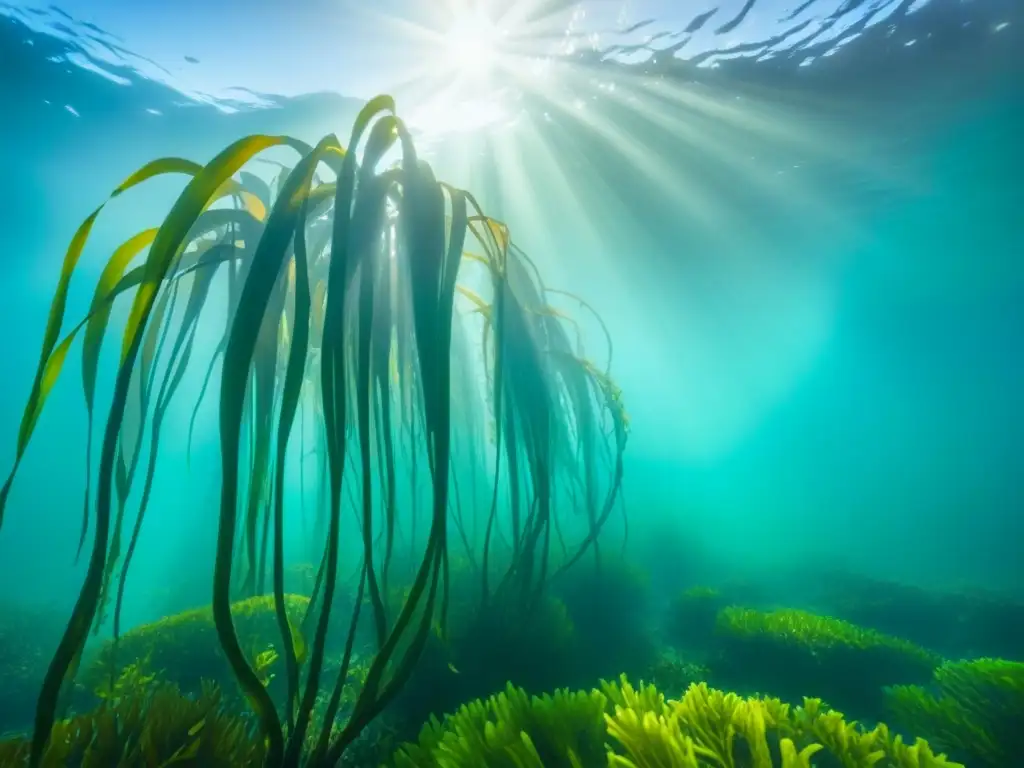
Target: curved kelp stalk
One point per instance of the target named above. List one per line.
(340, 281)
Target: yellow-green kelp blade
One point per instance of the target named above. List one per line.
(43, 384)
(190, 204)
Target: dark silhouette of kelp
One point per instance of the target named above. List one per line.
(340, 292)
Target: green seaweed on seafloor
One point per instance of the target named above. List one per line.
(183, 649)
(341, 299)
(626, 726)
(155, 726)
(815, 632)
(793, 653)
(974, 712)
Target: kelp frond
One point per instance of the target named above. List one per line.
(341, 281)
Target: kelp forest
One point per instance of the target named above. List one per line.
(343, 346)
(422, 548)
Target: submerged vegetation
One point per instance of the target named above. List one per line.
(628, 727)
(153, 728)
(590, 625)
(616, 724)
(373, 323)
(341, 281)
(976, 713)
(791, 652)
(986, 623)
(184, 648)
(815, 632)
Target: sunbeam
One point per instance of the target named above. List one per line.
(518, 102)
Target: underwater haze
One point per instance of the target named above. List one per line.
(766, 254)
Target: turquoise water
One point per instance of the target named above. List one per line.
(811, 276)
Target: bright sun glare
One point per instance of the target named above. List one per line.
(471, 46)
(518, 98)
(464, 65)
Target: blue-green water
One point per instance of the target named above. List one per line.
(811, 276)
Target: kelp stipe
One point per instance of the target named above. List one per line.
(341, 299)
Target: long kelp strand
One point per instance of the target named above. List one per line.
(348, 285)
(180, 355)
(289, 405)
(165, 245)
(332, 382)
(267, 263)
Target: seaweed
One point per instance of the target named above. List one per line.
(671, 671)
(957, 623)
(481, 649)
(183, 649)
(633, 727)
(158, 728)
(590, 623)
(793, 652)
(341, 300)
(974, 714)
(512, 729)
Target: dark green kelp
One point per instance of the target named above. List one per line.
(342, 300)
